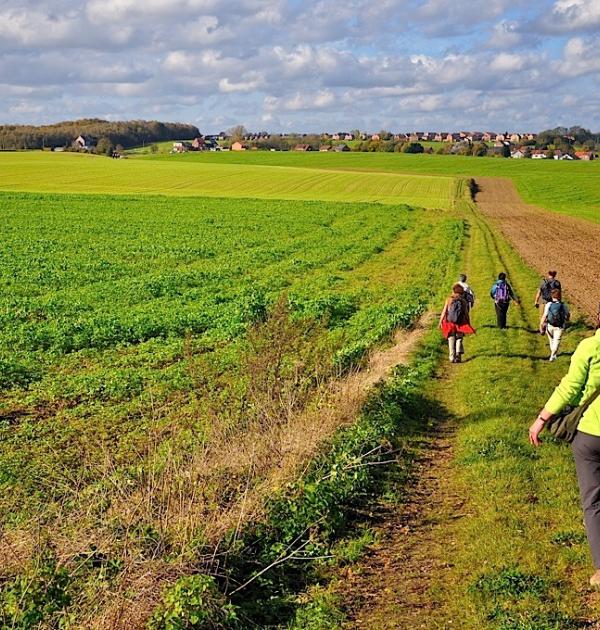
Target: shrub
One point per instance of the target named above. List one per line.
(193, 602)
(36, 597)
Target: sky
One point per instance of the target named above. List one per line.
(304, 65)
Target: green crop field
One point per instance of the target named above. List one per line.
(70, 172)
(173, 333)
(569, 187)
(133, 341)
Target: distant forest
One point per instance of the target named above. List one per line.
(127, 133)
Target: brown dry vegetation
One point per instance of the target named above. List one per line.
(193, 498)
(288, 422)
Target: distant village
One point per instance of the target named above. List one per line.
(509, 145)
(506, 145)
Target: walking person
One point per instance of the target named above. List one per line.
(455, 322)
(554, 321)
(502, 294)
(544, 291)
(581, 386)
(469, 294)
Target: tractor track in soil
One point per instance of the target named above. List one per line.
(546, 240)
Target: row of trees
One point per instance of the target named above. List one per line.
(125, 133)
(569, 136)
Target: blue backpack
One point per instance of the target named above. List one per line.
(556, 314)
(502, 294)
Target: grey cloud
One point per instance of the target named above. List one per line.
(274, 62)
(571, 16)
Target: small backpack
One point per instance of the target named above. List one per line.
(470, 298)
(502, 294)
(547, 288)
(556, 314)
(456, 311)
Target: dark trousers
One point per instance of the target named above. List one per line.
(586, 449)
(501, 311)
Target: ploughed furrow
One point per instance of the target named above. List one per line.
(546, 240)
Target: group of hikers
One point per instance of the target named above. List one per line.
(576, 399)
(455, 319)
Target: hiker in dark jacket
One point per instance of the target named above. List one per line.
(579, 387)
(554, 321)
(455, 322)
(502, 294)
(544, 291)
(469, 294)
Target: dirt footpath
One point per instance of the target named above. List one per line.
(390, 588)
(547, 240)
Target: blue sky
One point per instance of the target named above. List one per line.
(286, 65)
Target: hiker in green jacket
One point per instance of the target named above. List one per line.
(580, 383)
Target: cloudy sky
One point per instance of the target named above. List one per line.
(304, 64)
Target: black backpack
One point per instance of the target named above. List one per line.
(547, 288)
(456, 311)
(469, 297)
(556, 314)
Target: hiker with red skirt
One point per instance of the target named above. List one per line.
(455, 322)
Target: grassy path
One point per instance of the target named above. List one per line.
(491, 536)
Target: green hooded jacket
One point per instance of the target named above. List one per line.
(580, 382)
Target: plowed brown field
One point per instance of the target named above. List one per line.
(547, 240)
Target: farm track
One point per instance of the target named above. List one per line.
(401, 582)
(390, 589)
(546, 240)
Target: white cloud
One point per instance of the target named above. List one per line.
(572, 15)
(508, 34)
(252, 82)
(580, 57)
(300, 101)
(508, 62)
(297, 64)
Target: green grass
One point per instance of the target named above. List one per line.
(517, 557)
(510, 568)
(172, 176)
(124, 349)
(571, 188)
(162, 147)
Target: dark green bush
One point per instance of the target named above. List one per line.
(193, 602)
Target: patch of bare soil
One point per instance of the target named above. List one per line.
(390, 587)
(546, 240)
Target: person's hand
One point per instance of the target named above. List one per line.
(536, 305)
(534, 432)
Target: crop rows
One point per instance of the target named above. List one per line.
(572, 188)
(134, 335)
(47, 172)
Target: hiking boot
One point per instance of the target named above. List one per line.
(458, 359)
(552, 358)
(595, 580)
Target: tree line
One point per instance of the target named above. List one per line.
(128, 133)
